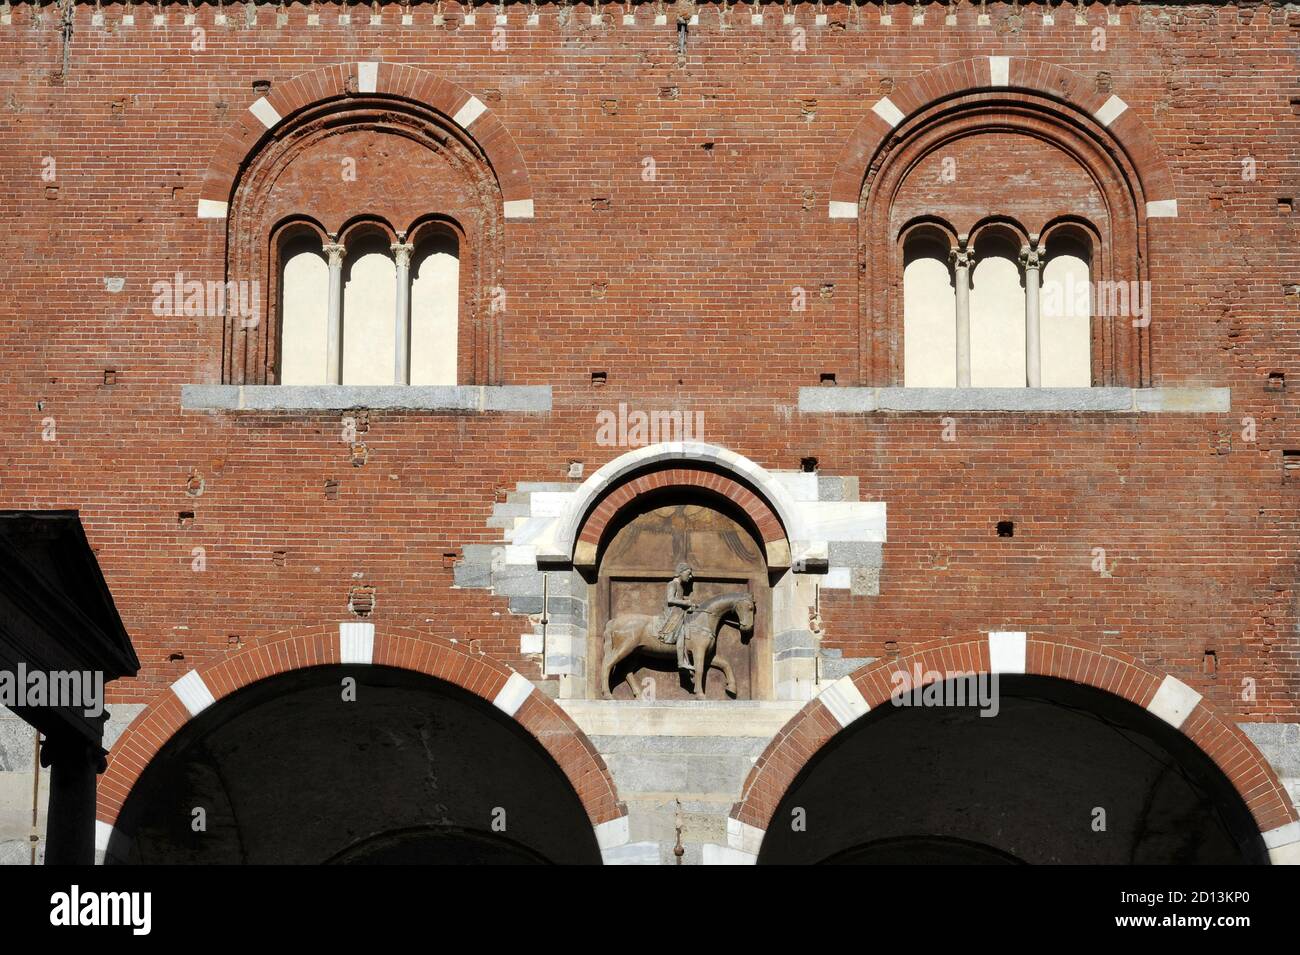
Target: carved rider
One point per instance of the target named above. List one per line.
(672, 626)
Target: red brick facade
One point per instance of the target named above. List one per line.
(678, 207)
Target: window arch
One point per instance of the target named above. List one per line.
(1011, 141)
(384, 276)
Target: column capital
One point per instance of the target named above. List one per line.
(335, 251)
(1031, 258)
(402, 253)
(961, 258)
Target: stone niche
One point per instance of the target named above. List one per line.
(570, 556)
(637, 562)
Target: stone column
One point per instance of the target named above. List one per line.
(1031, 261)
(70, 824)
(334, 326)
(402, 362)
(961, 263)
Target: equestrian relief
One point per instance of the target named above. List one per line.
(685, 630)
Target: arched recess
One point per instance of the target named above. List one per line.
(1205, 745)
(482, 690)
(1027, 98)
(318, 111)
(689, 463)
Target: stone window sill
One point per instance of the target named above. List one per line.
(463, 398)
(846, 400)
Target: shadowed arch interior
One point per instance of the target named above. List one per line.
(910, 784)
(414, 770)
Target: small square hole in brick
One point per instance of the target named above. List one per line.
(185, 518)
(808, 464)
(1276, 381)
(599, 378)
(1006, 528)
(1285, 205)
(828, 378)
(1291, 465)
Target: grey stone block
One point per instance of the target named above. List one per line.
(856, 553)
(1004, 399)
(830, 488)
(824, 399)
(864, 581)
(17, 743)
(462, 398)
(790, 639)
(517, 580)
(1280, 744)
(833, 668)
(647, 772)
(747, 746)
(1183, 399)
(526, 603)
(472, 575)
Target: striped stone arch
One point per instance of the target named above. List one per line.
(1015, 75)
(852, 696)
(763, 498)
(371, 77)
(363, 643)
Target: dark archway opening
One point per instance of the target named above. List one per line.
(413, 771)
(1032, 784)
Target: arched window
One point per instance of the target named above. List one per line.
(997, 311)
(435, 297)
(371, 309)
(304, 307)
(929, 309)
(1066, 308)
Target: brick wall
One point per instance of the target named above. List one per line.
(680, 289)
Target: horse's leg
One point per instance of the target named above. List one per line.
(722, 664)
(698, 648)
(613, 657)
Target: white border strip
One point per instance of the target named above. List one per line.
(1110, 110)
(840, 209)
(356, 642)
(472, 110)
(264, 112)
(743, 836)
(1000, 70)
(887, 111)
(844, 700)
(367, 76)
(193, 693)
(1173, 702)
(513, 694)
(1007, 651)
(213, 209)
(519, 209)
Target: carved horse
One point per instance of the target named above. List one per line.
(629, 632)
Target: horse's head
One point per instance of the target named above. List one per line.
(745, 613)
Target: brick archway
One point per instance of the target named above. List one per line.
(362, 643)
(369, 78)
(1015, 75)
(785, 531)
(688, 474)
(1117, 673)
